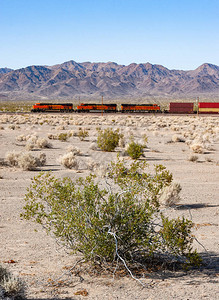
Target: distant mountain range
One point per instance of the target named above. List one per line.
(71, 80)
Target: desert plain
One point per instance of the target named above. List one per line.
(187, 145)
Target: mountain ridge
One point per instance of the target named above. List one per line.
(91, 80)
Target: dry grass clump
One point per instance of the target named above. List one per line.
(92, 165)
(61, 127)
(170, 195)
(82, 133)
(193, 158)
(63, 136)
(74, 150)
(34, 142)
(11, 287)
(69, 161)
(25, 160)
(178, 138)
(197, 148)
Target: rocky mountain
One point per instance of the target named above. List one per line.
(92, 80)
(5, 70)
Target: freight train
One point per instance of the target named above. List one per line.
(174, 108)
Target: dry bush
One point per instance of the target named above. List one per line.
(11, 287)
(25, 160)
(21, 138)
(197, 148)
(170, 195)
(177, 138)
(34, 142)
(92, 165)
(193, 158)
(74, 150)
(12, 158)
(69, 161)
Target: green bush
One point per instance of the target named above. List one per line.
(135, 150)
(63, 137)
(108, 139)
(104, 224)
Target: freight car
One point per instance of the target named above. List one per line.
(208, 108)
(88, 107)
(48, 107)
(181, 108)
(153, 108)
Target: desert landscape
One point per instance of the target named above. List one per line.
(187, 145)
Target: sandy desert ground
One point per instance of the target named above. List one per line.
(172, 141)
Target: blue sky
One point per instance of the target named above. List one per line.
(176, 34)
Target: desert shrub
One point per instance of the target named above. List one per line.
(177, 138)
(63, 137)
(197, 148)
(11, 287)
(43, 143)
(135, 150)
(25, 160)
(107, 224)
(12, 158)
(69, 161)
(74, 150)
(108, 139)
(193, 158)
(82, 134)
(34, 142)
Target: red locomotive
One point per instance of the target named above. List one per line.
(44, 107)
(88, 107)
(154, 108)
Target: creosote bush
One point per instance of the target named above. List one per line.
(135, 150)
(108, 139)
(122, 220)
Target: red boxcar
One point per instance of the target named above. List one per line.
(181, 108)
(44, 107)
(140, 108)
(208, 107)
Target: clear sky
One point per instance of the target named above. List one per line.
(178, 34)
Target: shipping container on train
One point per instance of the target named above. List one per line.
(52, 107)
(208, 107)
(89, 107)
(154, 108)
(181, 108)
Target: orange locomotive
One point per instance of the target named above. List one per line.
(154, 108)
(44, 107)
(88, 107)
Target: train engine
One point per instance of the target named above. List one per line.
(88, 107)
(149, 108)
(52, 107)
